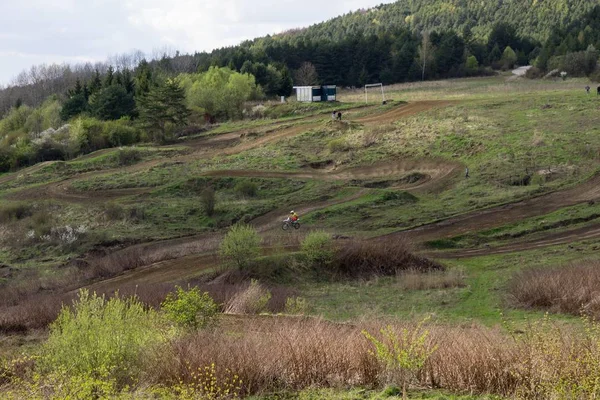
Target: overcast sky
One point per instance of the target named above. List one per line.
(57, 31)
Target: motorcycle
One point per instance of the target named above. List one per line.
(288, 223)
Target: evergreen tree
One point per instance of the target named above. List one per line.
(286, 85)
(109, 78)
(143, 79)
(128, 83)
(112, 103)
(164, 105)
(73, 107)
(96, 83)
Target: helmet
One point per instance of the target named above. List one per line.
(292, 212)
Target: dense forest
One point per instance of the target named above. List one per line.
(58, 112)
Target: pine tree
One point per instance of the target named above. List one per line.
(164, 105)
(286, 86)
(128, 83)
(109, 78)
(96, 83)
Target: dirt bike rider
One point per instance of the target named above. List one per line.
(294, 217)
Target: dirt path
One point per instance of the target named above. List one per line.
(553, 239)
(505, 214)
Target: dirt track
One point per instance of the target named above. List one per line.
(553, 239)
(218, 145)
(505, 214)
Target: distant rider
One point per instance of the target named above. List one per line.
(293, 216)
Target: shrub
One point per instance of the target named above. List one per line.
(404, 354)
(208, 199)
(318, 248)
(190, 309)
(253, 300)
(119, 133)
(246, 188)
(296, 306)
(571, 289)
(534, 73)
(240, 246)
(13, 212)
(87, 135)
(385, 256)
(338, 145)
(128, 156)
(100, 338)
(113, 212)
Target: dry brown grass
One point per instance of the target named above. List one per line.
(273, 354)
(382, 257)
(36, 311)
(571, 289)
(252, 300)
(417, 280)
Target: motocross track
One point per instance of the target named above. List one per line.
(212, 146)
(554, 239)
(188, 256)
(176, 259)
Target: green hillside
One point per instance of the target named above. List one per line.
(532, 18)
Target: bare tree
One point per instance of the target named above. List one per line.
(425, 52)
(307, 75)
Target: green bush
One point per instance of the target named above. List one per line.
(190, 309)
(120, 133)
(209, 200)
(113, 212)
(404, 355)
(318, 248)
(296, 306)
(338, 145)
(13, 212)
(246, 188)
(128, 156)
(87, 135)
(240, 246)
(100, 338)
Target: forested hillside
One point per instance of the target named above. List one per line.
(531, 18)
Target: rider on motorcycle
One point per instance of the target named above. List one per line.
(293, 216)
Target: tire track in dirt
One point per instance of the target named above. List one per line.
(554, 239)
(494, 217)
(508, 213)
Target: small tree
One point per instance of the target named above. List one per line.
(163, 105)
(307, 75)
(472, 63)
(405, 354)
(102, 339)
(426, 52)
(318, 248)
(286, 85)
(240, 246)
(74, 106)
(190, 309)
(509, 58)
(208, 198)
(112, 103)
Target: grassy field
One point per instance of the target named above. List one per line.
(384, 170)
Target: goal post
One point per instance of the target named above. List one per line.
(373, 85)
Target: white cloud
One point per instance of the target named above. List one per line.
(45, 31)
